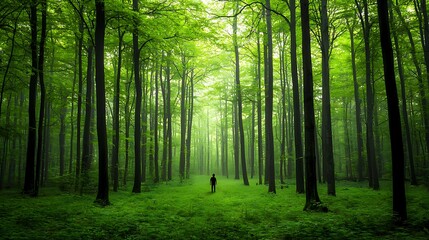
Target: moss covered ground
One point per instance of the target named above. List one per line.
(189, 210)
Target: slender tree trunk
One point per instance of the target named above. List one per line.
(283, 130)
(372, 166)
(235, 137)
(169, 119)
(189, 123)
(40, 68)
(31, 136)
(86, 146)
(360, 164)
(398, 188)
(155, 123)
(269, 138)
(259, 112)
(328, 154)
(62, 135)
(312, 197)
(127, 127)
(296, 103)
(138, 89)
(79, 99)
(409, 145)
(116, 123)
(103, 178)
(226, 127)
(47, 145)
(183, 123)
(239, 114)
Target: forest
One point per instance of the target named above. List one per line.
(312, 115)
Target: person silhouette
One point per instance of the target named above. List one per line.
(213, 183)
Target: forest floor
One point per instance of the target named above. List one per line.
(189, 210)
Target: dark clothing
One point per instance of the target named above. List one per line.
(213, 183)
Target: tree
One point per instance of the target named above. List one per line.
(31, 137)
(40, 140)
(401, 74)
(138, 89)
(239, 114)
(86, 146)
(103, 178)
(296, 103)
(328, 154)
(398, 188)
(269, 137)
(359, 132)
(372, 164)
(311, 196)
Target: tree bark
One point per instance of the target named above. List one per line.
(296, 103)
(40, 67)
(398, 188)
(372, 166)
(138, 89)
(183, 123)
(328, 154)
(269, 138)
(103, 178)
(31, 136)
(403, 99)
(240, 141)
(86, 146)
(359, 133)
(312, 197)
(116, 117)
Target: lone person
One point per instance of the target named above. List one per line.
(213, 183)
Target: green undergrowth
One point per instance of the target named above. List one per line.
(189, 210)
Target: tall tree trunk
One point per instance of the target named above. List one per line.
(282, 121)
(31, 136)
(269, 138)
(372, 166)
(183, 123)
(312, 197)
(62, 135)
(226, 127)
(127, 127)
(328, 153)
(169, 119)
(70, 167)
(259, 112)
(296, 103)
(40, 140)
(235, 137)
(86, 141)
(347, 151)
(409, 145)
(155, 122)
(165, 91)
(189, 123)
(138, 89)
(116, 119)
(79, 99)
(398, 188)
(360, 164)
(47, 145)
(103, 178)
(145, 110)
(240, 134)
